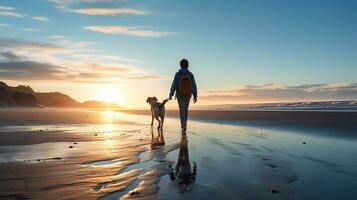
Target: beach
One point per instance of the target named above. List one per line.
(105, 154)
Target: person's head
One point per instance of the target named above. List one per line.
(184, 63)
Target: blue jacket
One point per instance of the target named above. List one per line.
(178, 74)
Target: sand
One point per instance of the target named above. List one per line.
(329, 123)
(86, 154)
(303, 118)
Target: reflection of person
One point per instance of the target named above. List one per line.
(184, 85)
(159, 140)
(183, 170)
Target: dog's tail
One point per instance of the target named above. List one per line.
(164, 102)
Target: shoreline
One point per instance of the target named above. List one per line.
(326, 123)
(306, 117)
(345, 123)
(341, 125)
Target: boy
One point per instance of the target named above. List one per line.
(184, 85)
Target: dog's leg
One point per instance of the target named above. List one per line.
(152, 120)
(162, 122)
(157, 118)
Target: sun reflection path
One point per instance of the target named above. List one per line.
(108, 116)
(111, 128)
(108, 127)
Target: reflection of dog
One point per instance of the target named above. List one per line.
(157, 110)
(157, 141)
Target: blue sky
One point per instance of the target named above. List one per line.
(240, 51)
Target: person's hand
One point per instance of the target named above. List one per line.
(194, 99)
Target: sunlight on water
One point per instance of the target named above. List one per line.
(109, 144)
(108, 115)
(108, 128)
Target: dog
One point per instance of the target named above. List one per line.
(157, 110)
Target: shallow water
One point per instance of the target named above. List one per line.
(233, 162)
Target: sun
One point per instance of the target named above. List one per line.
(109, 94)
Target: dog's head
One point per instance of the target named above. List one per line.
(151, 99)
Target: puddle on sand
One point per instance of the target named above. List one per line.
(147, 163)
(144, 163)
(103, 163)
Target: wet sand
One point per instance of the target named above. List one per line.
(322, 123)
(299, 118)
(70, 154)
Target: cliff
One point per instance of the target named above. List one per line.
(26, 96)
(17, 96)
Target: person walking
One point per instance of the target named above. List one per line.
(184, 85)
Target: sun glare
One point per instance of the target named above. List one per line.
(109, 94)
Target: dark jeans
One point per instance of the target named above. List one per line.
(183, 102)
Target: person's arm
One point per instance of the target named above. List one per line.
(194, 89)
(173, 86)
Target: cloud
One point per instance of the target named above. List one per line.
(30, 29)
(278, 93)
(37, 71)
(67, 61)
(325, 87)
(8, 55)
(107, 57)
(66, 2)
(69, 6)
(91, 75)
(16, 67)
(2, 26)
(25, 70)
(6, 8)
(13, 68)
(52, 51)
(16, 43)
(56, 50)
(109, 67)
(69, 2)
(110, 11)
(11, 14)
(55, 37)
(128, 30)
(41, 18)
(145, 77)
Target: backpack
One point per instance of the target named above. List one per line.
(185, 86)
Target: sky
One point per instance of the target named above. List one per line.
(240, 51)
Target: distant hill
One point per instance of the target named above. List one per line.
(26, 96)
(24, 99)
(20, 88)
(5, 96)
(99, 104)
(56, 99)
(17, 96)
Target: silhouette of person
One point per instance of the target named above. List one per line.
(184, 85)
(183, 170)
